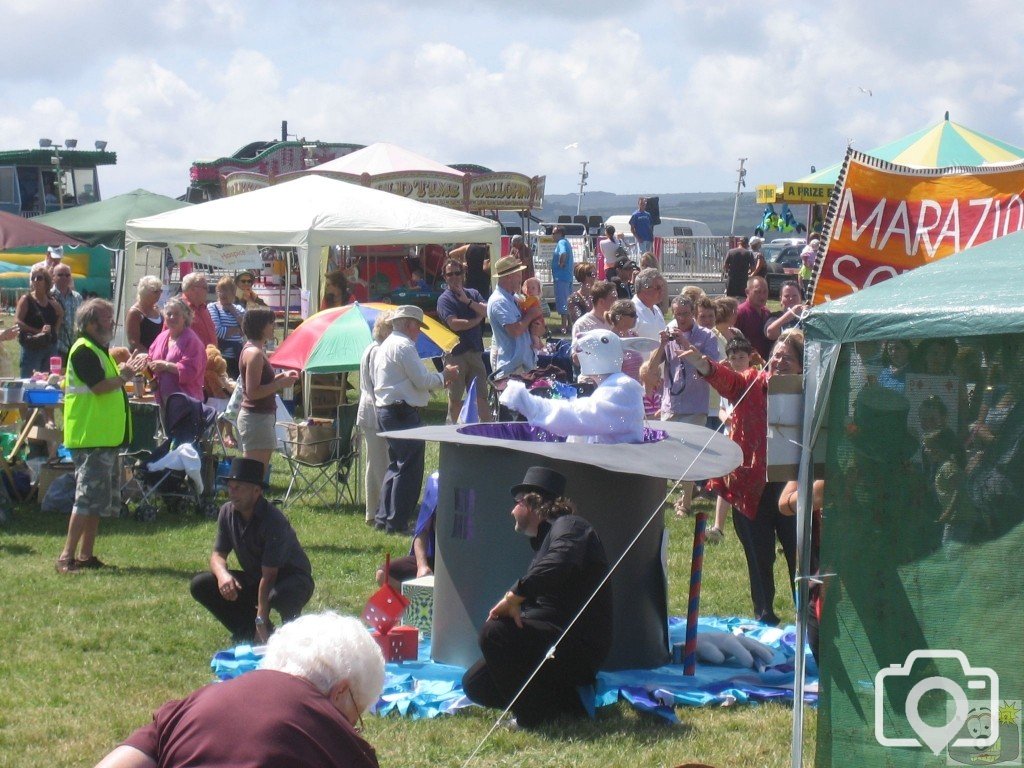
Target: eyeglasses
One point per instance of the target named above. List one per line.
(359, 716)
(453, 274)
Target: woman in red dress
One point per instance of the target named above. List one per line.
(755, 502)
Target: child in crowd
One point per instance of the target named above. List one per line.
(737, 355)
(944, 452)
(416, 281)
(650, 377)
(531, 296)
(622, 318)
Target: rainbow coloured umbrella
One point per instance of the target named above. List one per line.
(334, 340)
(941, 145)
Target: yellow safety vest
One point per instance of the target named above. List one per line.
(91, 420)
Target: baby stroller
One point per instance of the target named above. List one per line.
(182, 470)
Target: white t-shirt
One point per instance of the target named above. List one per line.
(649, 322)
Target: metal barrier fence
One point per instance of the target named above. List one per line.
(680, 257)
(693, 256)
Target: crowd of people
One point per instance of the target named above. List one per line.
(706, 362)
(667, 370)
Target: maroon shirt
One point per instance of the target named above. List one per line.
(263, 718)
(751, 321)
(202, 323)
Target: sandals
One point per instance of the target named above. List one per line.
(92, 562)
(682, 511)
(66, 565)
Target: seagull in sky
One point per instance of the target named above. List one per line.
(574, 145)
(864, 90)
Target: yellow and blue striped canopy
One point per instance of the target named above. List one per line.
(938, 146)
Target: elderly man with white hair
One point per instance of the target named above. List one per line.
(193, 290)
(302, 707)
(650, 287)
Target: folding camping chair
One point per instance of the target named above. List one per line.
(323, 467)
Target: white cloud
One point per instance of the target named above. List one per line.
(658, 96)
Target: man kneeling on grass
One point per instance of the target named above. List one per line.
(567, 568)
(319, 675)
(275, 570)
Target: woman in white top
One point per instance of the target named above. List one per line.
(366, 419)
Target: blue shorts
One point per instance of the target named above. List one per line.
(562, 290)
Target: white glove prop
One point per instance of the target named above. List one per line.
(716, 647)
(516, 396)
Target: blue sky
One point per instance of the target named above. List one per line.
(657, 96)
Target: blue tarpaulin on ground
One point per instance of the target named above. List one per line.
(423, 689)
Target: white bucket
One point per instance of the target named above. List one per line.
(12, 392)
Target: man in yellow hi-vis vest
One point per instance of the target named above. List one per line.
(97, 423)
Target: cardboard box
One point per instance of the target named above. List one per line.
(50, 472)
(401, 643)
(420, 611)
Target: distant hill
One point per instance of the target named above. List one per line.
(713, 208)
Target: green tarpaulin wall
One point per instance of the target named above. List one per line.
(918, 383)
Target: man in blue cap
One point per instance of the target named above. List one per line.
(275, 572)
(521, 628)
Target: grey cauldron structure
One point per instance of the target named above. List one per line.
(617, 488)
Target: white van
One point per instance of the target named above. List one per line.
(667, 228)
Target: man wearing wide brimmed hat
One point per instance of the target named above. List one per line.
(401, 387)
(569, 565)
(509, 324)
(275, 572)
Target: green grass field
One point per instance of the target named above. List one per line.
(88, 656)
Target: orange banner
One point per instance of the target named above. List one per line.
(887, 219)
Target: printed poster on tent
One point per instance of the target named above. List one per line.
(221, 256)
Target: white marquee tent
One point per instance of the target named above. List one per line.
(308, 214)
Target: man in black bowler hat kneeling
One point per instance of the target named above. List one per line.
(275, 572)
(567, 568)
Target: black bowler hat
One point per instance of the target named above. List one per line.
(546, 482)
(247, 471)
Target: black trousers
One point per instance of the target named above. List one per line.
(510, 655)
(400, 490)
(758, 539)
(287, 597)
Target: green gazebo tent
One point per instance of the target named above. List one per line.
(923, 524)
(103, 223)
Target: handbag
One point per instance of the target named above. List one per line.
(312, 440)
